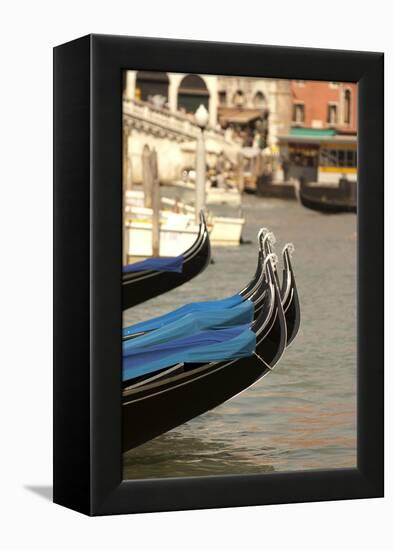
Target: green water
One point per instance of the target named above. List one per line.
(303, 414)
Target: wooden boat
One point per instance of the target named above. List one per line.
(140, 286)
(155, 406)
(327, 199)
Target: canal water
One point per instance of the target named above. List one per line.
(303, 414)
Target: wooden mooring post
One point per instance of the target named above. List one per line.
(126, 186)
(240, 172)
(155, 205)
(147, 176)
(151, 188)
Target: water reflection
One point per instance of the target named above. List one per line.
(174, 454)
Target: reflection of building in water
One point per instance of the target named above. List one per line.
(322, 143)
(254, 110)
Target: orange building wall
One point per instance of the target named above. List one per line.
(316, 96)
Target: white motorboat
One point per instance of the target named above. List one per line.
(178, 228)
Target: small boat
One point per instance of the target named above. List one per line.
(175, 228)
(230, 196)
(140, 286)
(177, 232)
(327, 199)
(154, 406)
(226, 231)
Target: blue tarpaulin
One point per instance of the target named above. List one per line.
(201, 347)
(157, 264)
(193, 323)
(207, 307)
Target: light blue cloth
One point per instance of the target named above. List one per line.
(193, 323)
(157, 264)
(207, 307)
(203, 347)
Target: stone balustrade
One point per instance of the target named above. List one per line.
(173, 135)
(169, 121)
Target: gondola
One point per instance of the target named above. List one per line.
(328, 200)
(140, 286)
(255, 292)
(156, 406)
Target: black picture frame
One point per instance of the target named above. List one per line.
(87, 274)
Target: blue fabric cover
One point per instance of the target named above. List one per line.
(193, 323)
(207, 307)
(156, 264)
(202, 347)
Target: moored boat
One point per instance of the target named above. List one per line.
(328, 199)
(140, 286)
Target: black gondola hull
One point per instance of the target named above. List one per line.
(140, 290)
(152, 416)
(292, 304)
(326, 200)
(163, 406)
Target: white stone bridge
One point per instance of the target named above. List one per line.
(173, 135)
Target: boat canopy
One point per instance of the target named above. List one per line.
(157, 264)
(191, 324)
(202, 347)
(162, 320)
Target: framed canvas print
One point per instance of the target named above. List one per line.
(218, 275)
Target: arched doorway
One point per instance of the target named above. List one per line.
(149, 84)
(259, 101)
(239, 98)
(192, 93)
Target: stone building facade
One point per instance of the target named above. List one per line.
(271, 96)
(244, 99)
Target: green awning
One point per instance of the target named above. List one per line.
(312, 132)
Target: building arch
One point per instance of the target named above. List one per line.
(192, 92)
(151, 83)
(259, 100)
(239, 98)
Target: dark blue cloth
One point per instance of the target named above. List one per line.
(174, 265)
